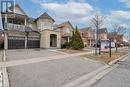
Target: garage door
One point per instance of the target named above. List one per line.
(33, 42)
(16, 42)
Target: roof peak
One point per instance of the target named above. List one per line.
(46, 16)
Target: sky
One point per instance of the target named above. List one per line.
(80, 12)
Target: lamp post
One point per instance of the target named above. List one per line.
(27, 30)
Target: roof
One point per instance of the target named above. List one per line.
(30, 20)
(65, 23)
(16, 5)
(85, 29)
(102, 30)
(45, 16)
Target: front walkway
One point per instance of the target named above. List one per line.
(39, 59)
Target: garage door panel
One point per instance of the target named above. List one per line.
(16, 42)
(33, 42)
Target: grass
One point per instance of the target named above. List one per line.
(104, 57)
(70, 51)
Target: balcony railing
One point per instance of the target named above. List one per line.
(16, 27)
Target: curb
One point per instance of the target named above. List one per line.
(5, 73)
(92, 77)
(97, 77)
(116, 60)
(86, 77)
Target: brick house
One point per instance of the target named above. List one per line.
(113, 36)
(102, 33)
(87, 35)
(66, 30)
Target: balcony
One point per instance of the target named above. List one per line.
(16, 27)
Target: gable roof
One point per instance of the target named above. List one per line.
(16, 5)
(45, 16)
(102, 30)
(85, 29)
(30, 19)
(65, 23)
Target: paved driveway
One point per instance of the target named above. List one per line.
(29, 53)
(53, 73)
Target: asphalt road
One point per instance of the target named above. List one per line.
(54, 73)
(119, 77)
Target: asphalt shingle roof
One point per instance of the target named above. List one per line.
(46, 16)
(85, 29)
(102, 30)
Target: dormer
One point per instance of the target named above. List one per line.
(45, 22)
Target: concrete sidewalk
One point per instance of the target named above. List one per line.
(40, 59)
(119, 77)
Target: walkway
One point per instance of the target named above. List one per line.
(119, 77)
(40, 59)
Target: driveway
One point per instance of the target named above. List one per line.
(53, 73)
(29, 53)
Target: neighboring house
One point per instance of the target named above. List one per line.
(102, 33)
(126, 39)
(114, 37)
(24, 32)
(87, 35)
(66, 30)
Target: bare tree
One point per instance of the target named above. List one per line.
(118, 30)
(97, 22)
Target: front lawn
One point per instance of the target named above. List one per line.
(104, 57)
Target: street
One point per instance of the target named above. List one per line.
(47, 68)
(119, 77)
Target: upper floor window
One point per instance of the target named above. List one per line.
(67, 30)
